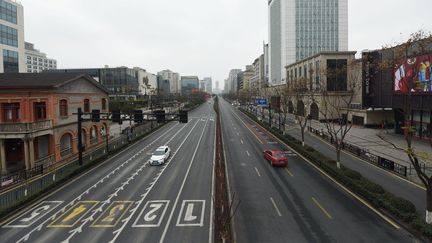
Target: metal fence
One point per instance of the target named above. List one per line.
(366, 155)
(34, 181)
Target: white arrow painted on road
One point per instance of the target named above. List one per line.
(189, 211)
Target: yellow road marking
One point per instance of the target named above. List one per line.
(322, 208)
(289, 172)
(110, 217)
(385, 218)
(248, 128)
(73, 215)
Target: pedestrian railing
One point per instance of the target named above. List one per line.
(19, 186)
(365, 154)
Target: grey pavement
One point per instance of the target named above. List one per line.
(390, 182)
(293, 204)
(126, 200)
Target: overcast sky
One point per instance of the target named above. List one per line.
(192, 37)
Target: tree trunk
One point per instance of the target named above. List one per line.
(302, 133)
(429, 202)
(338, 151)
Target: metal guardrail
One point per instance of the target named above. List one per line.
(366, 155)
(40, 178)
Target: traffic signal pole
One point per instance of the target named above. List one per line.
(80, 150)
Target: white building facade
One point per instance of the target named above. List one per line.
(174, 80)
(147, 82)
(208, 84)
(12, 53)
(37, 61)
(302, 28)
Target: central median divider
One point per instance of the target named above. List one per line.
(395, 207)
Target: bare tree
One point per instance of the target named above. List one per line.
(405, 60)
(338, 92)
(285, 100)
(304, 99)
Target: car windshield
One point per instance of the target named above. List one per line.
(279, 155)
(159, 152)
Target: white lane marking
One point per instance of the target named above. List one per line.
(25, 220)
(182, 185)
(27, 236)
(247, 152)
(144, 196)
(276, 207)
(189, 217)
(257, 172)
(79, 228)
(238, 134)
(241, 141)
(212, 190)
(152, 214)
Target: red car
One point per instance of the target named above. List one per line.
(276, 157)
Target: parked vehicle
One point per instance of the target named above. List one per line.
(276, 157)
(160, 155)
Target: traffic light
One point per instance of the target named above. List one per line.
(116, 117)
(160, 116)
(138, 116)
(183, 116)
(95, 116)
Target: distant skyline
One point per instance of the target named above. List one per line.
(191, 37)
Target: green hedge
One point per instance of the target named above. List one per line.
(399, 208)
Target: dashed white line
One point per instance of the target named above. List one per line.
(247, 152)
(259, 175)
(276, 207)
(241, 141)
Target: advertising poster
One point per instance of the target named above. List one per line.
(416, 70)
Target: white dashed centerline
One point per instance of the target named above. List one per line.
(241, 141)
(247, 152)
(257, 172)
(275, 206)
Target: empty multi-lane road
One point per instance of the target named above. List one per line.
(126, 200)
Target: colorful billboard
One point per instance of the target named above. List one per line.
(413, 74)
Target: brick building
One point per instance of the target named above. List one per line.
(37, 125)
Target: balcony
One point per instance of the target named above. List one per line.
(25, 127)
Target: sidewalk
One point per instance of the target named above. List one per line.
(368, 138)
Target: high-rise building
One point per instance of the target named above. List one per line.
(173, 78)
(122, 82)
(231, 84)
(208, 84)
(189, 84)
(37, 61)
(12, 56)
(302, 28)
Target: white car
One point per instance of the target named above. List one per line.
(160, 156)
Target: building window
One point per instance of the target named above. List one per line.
(10, 61)
(86, 105)
(104, 104)
(40, 110)
(8, 12)
(63, 108)
(11, 112)
(8, 36)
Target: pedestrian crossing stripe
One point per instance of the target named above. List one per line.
(73, 215)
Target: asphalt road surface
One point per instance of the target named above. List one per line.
(126, 200)
(293, 204)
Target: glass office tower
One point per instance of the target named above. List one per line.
(301, 28)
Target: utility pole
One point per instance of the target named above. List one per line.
(80, 151)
